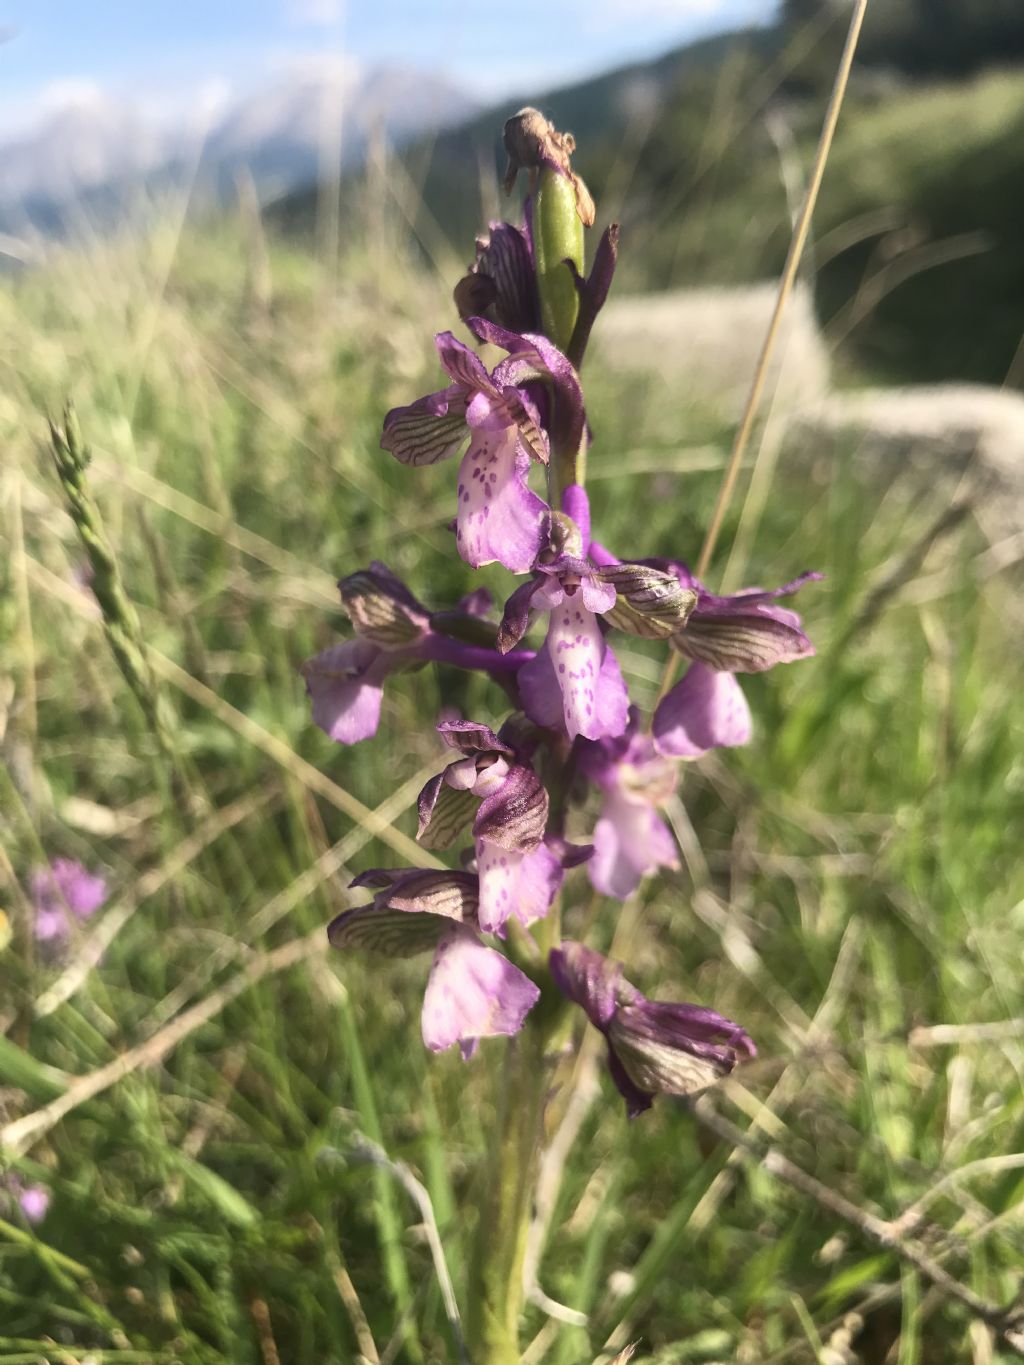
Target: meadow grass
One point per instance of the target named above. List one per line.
(851, 887)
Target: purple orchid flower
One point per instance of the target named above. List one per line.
(630, 839)
(499, 519)
(60, 892)
(574, 682)
(473, 991)
(520, 870)
(746, 632)
(394, 632)
(653, 1047)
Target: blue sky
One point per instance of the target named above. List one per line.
(167, 55)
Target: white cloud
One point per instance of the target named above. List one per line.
(70, 93)
(316, 13)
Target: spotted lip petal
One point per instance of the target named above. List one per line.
(706, 710)
(515, 884)
(544, 700)
(500, 519)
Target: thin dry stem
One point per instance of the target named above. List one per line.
(789, 273)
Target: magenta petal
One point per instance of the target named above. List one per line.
(707, 710)
(499, 518)
(565, 695)
(473, 992)
(51, 925)
(539, 690)
(612, 700)
(427, 431)
(464, 365)
(577, 649)
(576, 504)
(589, 979)
(630, 841)
(345, 687)
(34, 1201)
(597, 595)
(519, 884)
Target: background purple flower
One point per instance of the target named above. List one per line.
(61, 891)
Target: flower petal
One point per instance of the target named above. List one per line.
(676, 1049)
(519, 884)
(499, 518)
(630, 842)
(637, 1101)
(515, 620)
(473, 992)
(381, 607)
(345, 685)
(598, 596)
(576, 504)
(470, 737)
(747, 642)
(502, 281)
(427, 431)
(651, 603)
(444, 812)
(395, 933)
(577, 649)
(707, 710)
(515, 815)
(587, 978)
(423, 889)
(532, 356)
(464, 365)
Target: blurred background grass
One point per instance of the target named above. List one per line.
(850, 881)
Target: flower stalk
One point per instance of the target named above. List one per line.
(508, 800)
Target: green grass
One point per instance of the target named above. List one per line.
(854, 874)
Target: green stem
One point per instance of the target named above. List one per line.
(557, 238)
(492, 1323)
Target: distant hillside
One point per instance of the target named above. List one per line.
(918, 257)
(95, 155)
